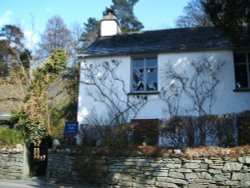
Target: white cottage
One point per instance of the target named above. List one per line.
(162, 73)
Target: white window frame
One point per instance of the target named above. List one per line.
(145, 67)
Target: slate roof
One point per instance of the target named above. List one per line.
(169, 40)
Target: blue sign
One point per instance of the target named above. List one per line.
(71, 128)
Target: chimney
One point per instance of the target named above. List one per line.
(109, 24)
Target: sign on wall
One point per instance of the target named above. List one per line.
(71, 127)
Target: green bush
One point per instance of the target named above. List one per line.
(10, 137)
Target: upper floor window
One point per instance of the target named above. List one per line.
(144, 74)
(242, 70)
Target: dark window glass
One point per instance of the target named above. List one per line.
(242, 70)
(241, 76)
(240, 58)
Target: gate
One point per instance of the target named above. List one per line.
(39, 153)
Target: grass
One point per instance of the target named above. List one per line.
(10, 137)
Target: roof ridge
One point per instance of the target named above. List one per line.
(172, 29)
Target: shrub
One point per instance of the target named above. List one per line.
(145, 132)
(190, 131)
(243, 121)
(10, 137)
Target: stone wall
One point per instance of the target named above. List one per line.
(14, 163)
(141, 171)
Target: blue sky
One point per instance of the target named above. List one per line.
(154, 14)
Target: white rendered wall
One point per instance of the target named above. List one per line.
(227, 100)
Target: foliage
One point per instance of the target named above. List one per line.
(92, 31)
(32, 130)
(145, 132)
(42, 97)
(14, 68)
(71, 83)
(99, 135)
(13, 36)
(194, 15)
(227, 130)
(12, 50)
(124, 12)
(207, 130)
(35, 116)
(10, 137)
(125, 15)
(121, 136)
(229, 16)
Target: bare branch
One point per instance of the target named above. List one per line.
(104, 86)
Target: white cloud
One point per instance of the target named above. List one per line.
(5, 18)
(31, 39)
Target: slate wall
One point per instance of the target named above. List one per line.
(14, 164)
(153, 172)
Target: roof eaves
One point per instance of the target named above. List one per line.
(157, 52)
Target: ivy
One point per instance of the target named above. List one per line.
(35, 116)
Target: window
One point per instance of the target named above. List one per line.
(242, 70)
(144, 75)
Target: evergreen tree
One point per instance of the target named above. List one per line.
(231, 16)
(124, 10)
(11, 47)
(92, 31)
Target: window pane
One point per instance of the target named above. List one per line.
(239, 57)
(138, 80)
(151, 79)
(151, 62)
(138, 63)
(241, 76)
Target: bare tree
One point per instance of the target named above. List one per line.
(76, 43)
(194, 15)
(56, 36)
